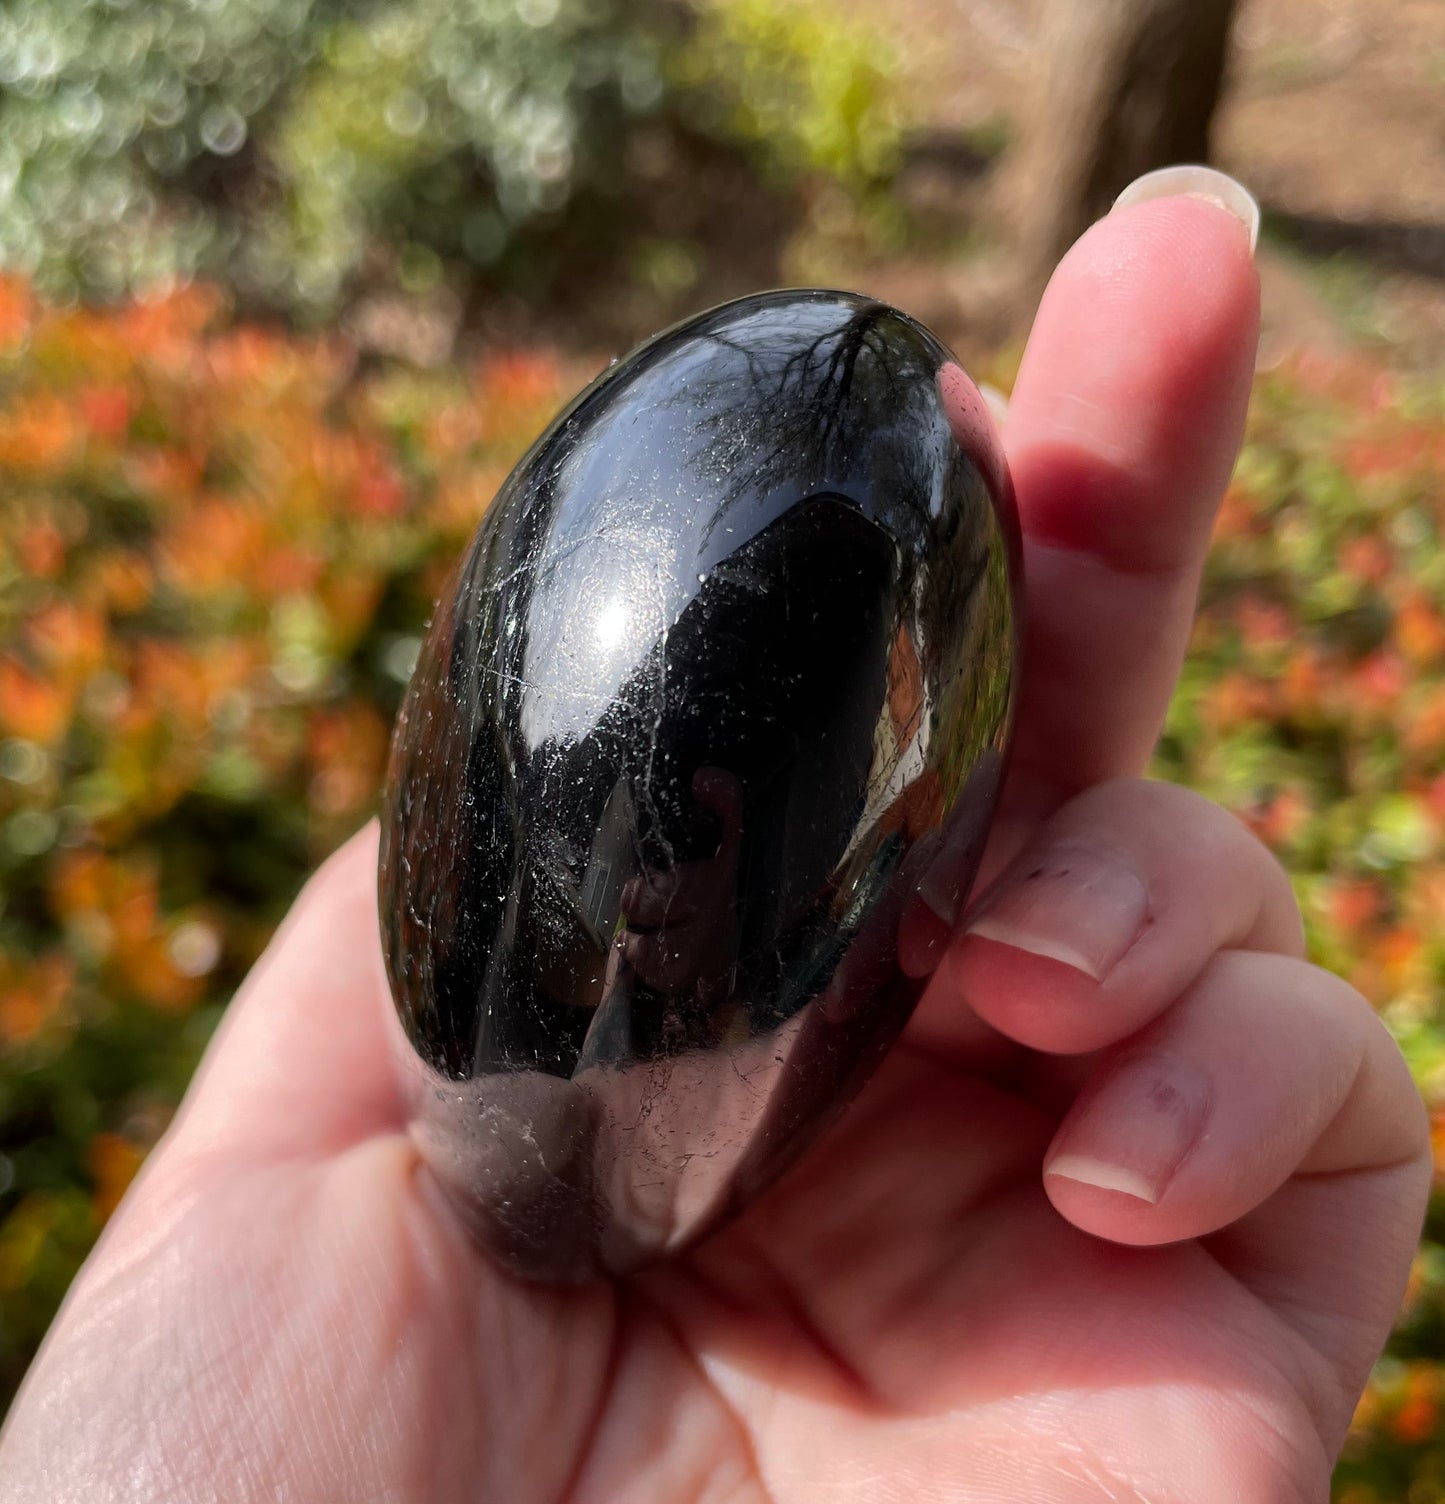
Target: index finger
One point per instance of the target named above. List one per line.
(1121, 435)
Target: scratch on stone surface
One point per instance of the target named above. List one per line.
(504, 677)
(746, 1077)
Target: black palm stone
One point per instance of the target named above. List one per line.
(723, 678)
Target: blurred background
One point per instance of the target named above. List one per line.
(287, 285)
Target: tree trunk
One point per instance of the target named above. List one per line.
(1122, 86)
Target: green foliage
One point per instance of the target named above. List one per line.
(807, 91)
(457, 122)
(282, 142)
(113, 112)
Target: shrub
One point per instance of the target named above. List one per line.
(456, 123)
(217, 548)
(1313, 705)
(807, 92)
(282, 141)
(120, 114)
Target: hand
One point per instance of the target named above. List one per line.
(1125, 1216)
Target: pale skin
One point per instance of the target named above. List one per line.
(985, 1284)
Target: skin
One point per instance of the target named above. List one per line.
(286, 1308)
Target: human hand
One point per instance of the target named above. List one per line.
(1126, 1214)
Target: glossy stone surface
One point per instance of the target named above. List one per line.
(723, 676)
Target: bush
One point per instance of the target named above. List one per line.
(120, 118)
(217, 549)
(1313, 704)
(216, 553)
(807, 92)
(282, 141)
(456, 124)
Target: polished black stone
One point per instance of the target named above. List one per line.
(724, 674)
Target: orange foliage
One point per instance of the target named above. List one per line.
(223, 541)
(113, 1164)
(31, 996)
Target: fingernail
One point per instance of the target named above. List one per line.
(1074, 904)
(1197, 182)
(1137, 1130)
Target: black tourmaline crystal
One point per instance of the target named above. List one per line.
(723, 677)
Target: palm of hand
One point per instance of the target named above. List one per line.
(933, 1329)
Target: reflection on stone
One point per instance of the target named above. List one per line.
(724, 675)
